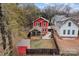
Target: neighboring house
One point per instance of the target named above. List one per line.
(40, 29)
(57, 18)
(67, 28)
(41, 24)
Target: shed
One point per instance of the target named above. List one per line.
(22, 46)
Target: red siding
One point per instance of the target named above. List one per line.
(41, 20)
(42, 23)
(47, 24)
(22, 50)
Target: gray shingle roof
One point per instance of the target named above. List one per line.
(60, 23)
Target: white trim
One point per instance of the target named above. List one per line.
(42, 18)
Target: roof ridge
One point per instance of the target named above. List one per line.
(42, 18)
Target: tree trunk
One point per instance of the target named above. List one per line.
(10, 39)
(2, 28)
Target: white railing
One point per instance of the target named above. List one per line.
(38, 28)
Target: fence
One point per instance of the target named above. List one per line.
(42, 52)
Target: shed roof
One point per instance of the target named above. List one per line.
(23, 42)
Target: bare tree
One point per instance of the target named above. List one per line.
(67, 10)
(51, 10)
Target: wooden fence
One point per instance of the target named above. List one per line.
(42, 52)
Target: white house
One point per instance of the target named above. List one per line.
(58, 18)
(67, 28)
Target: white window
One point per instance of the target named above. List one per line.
(44, 30)
(44, 23)
(64, 32)
(69, 24)
(73, 32)
(38, 24)
(68, 32)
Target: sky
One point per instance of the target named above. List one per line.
(41, 5)
(72, 5)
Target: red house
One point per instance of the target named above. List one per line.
(41, 24)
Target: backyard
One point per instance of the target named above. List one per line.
(42, 43)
